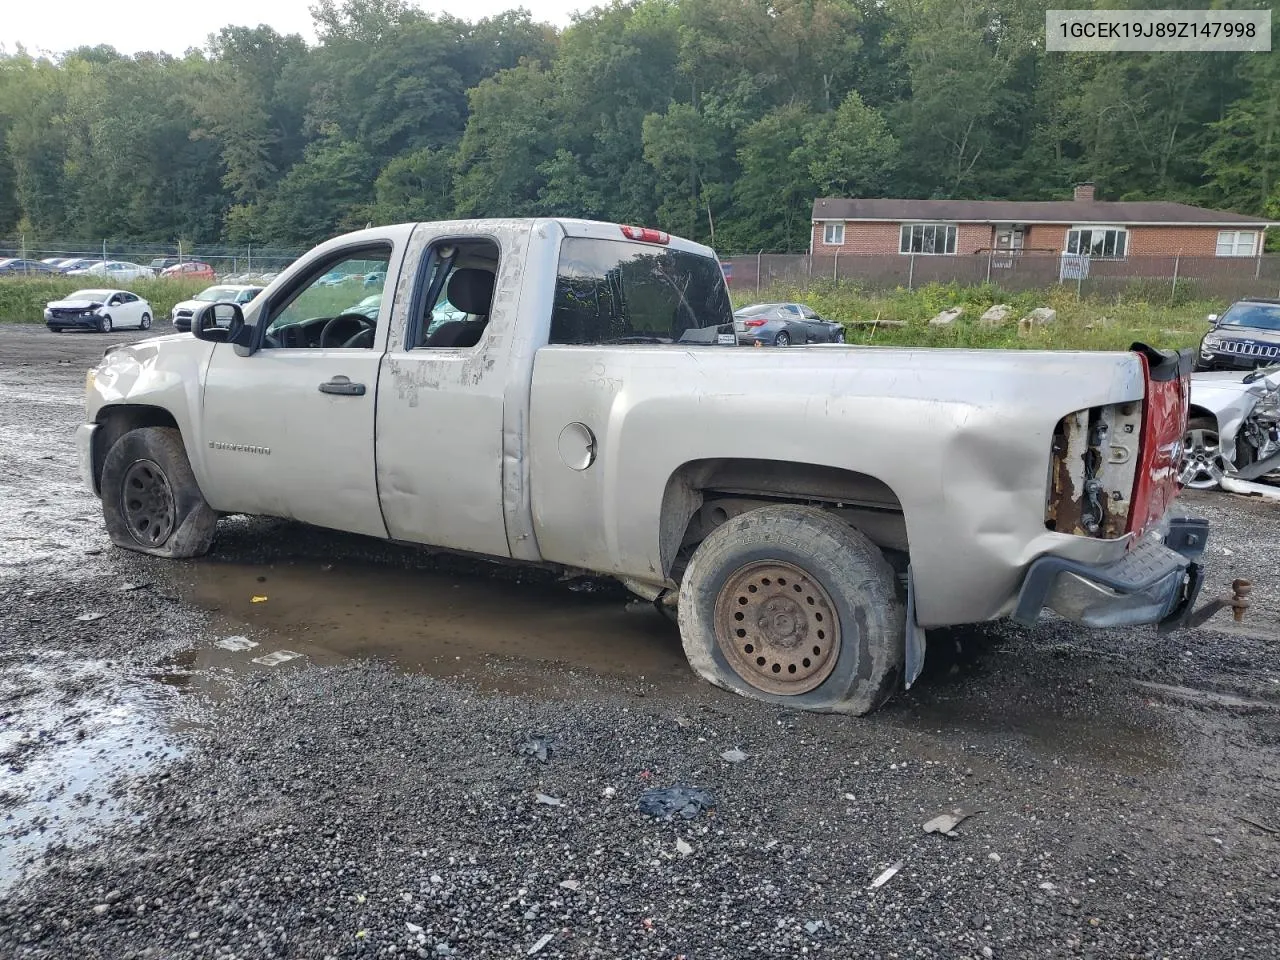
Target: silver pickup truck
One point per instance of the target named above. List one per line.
(572, 394)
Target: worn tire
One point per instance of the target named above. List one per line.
(190, 533)
(848, 566)
(146, 322)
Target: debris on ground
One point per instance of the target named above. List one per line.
(734, 756)
(90, 617)
(609, 793)
(947, 821)
(665, 802)
(1258, 825)
(413, 928)
(539, 746)
(276, 657)
(549, 801)
(683, 847)
(127, 587)
(885, 877)
(571, 884)
(257, 599)
(235, 644)
(542, 942)
(813, 926)
(995, 315)
(947, 317)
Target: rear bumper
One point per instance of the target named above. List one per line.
(1157, 581)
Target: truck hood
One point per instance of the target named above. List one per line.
(75, 305)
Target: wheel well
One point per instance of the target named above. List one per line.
(115, 421)
(1194, 412)
(702, 494)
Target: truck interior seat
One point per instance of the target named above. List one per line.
(470, 290)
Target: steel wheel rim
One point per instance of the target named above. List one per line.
(777, 627)
(1203, 465)
(146, 500)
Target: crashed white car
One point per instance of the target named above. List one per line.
(1233, 427)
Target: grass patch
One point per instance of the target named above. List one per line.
(22, 299)
(1080, 325)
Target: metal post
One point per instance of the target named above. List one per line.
(104, 250)
(249, 269)
(911, 272)
(759, 258)
(1173, 293)
(1079, 283)
(835, 267)
(179, 251)
(24, 246)
(991, 252)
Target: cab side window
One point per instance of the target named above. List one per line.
(336, 307)
(457, 294)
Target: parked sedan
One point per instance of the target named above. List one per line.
(188, 270)
(1246, 336)
(1233, 427)
(17, 267)
(101, 310)
(225, 293)
(76, 263)
(121, 271)
(782, 324)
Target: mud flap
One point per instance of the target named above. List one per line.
(914, 638)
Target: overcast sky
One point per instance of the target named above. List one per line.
(133, 25)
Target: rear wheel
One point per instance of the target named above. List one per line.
(146, 322)
(789, 605)
(1203, 465)
(150, 499)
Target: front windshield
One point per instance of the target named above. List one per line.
(90, 295)
(611, 291)
(217, 293)
(1260, 316)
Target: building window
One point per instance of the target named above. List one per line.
(927, 238)
(1106, 243)
(1237, 243)
(833, 234)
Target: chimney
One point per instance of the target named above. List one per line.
(1084, 192)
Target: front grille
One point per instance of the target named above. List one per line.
(67, 314)
(1249, 349)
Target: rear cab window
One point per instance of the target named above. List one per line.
(621, 291)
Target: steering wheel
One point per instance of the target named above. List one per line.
(333, 334)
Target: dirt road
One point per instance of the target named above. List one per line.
(174, 784)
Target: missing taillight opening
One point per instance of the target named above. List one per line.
(1093, 466)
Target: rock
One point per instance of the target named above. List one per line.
(733, 756)
(995, 315)
(993, 857)
(413, 928)
(683, 848)
(947, 317)
(1040, 316)
(609, 793)
(100, 909)
(549, 801)
(571, 884)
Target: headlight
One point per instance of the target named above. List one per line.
(1269, 403)
(1211, 342)
(47, 313)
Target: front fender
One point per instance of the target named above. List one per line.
(161, 373)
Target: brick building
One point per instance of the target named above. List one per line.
(1101, 229)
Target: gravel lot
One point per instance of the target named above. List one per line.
(162, 796)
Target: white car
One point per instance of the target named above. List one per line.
(240, 293)
(120, 270)
(101, 310)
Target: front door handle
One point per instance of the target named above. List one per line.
(343, 387)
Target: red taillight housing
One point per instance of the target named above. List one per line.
(1164, 424)
(646, 235)
(754, 323)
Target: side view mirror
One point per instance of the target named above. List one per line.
(1212, 318)
(221, 322)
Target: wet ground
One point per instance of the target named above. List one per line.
(310, 745)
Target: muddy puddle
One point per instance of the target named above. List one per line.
(498, 634)
(74, 733)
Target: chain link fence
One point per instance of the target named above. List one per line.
(226, 260)
(1156, 279)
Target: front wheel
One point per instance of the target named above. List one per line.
(104, 324)
(1203, 464)
(789, 605)
(146, 322)
(783, 339)
(150, 499)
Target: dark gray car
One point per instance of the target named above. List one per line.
(1246, 336)
(782, 324)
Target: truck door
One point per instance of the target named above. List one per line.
(454, 393)
(289, 429)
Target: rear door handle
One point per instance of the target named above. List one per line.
(343, 387)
